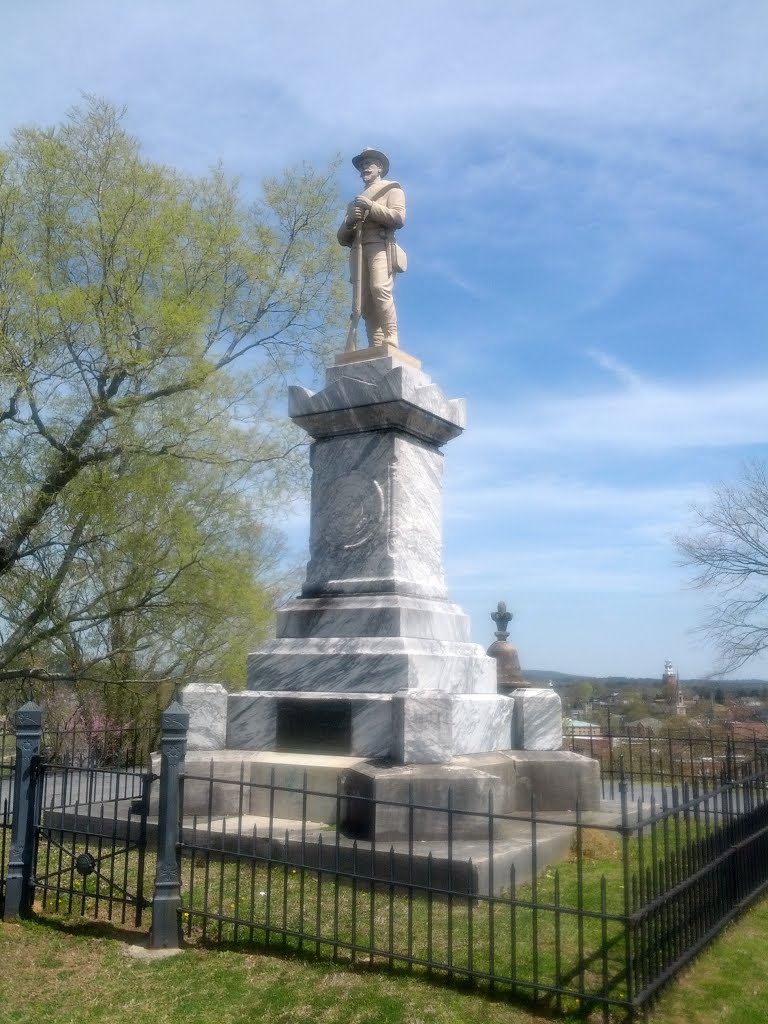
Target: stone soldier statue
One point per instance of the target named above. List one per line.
(369, 229)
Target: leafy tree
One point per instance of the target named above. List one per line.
(635, 708)
(148, 323)
(728, 549)
(580, 693)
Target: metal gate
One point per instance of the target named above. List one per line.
(91, 839)
(7, 769)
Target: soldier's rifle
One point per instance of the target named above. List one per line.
(356, 265)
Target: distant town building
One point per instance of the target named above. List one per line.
(672, 692)
(582, 727)
(670, 682)
(647, 726)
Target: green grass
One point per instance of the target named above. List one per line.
(538, 939)
(291, 913)
(536, 936)
(297, 913)
(75, 972)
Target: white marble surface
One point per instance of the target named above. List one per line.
(422, 727)
(213, 783)
(207, 707)
(372, 726)
(372, 615)
(373, 618)
(429, 787)
(376, 394)
(253, 720)
(376, 517)
(432, 727)
(538, 720)
(481, 722)
(371, 664)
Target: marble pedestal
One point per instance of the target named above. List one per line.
(379, 802)
(208, 707)
(409, 727)
(411, 802)
(372, 694)
(538, 721)
(373, 624)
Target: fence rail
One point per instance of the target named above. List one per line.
(7, 773)
(589, 910)
(463, 909)
(650, 762)
(699, 859)
(686, 861)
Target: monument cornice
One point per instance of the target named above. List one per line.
(400, 416)
(374, 395)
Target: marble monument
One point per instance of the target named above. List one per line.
(373, 630)
(372, 676)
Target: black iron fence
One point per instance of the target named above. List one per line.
(7, 771)
(653, 761)
(73, 827)
(100, 744)
(90, 840)
(559, 909)
(481, 903)
(592, 910)
(698, 856)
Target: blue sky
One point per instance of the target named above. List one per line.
(588, 254)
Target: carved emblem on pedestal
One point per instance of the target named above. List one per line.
(353, 511)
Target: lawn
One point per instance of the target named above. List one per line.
(76, 972)
(340, 951)
(292, 911)
(346, 940)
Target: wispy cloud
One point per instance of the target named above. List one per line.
(550, 496)
(641, 416)
(625, 374)
(447, 272)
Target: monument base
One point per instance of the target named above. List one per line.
(538, 719)
(370, 665)
(395, 803)
(378, 801)
(412, 726)
(384, 350)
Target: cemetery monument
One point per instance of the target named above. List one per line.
(372, 664)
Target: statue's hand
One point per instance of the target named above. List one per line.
(362, 206)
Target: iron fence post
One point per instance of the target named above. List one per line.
(19, 888)
(166, 923)
(630, 931)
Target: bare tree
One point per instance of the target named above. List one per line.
(728, 549)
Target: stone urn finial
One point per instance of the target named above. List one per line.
(502, 618)
(508, 674)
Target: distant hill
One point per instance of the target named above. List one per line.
(565, 678)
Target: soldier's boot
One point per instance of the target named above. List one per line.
(389, 334)
(375, 334)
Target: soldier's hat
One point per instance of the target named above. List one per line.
(371, 154)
